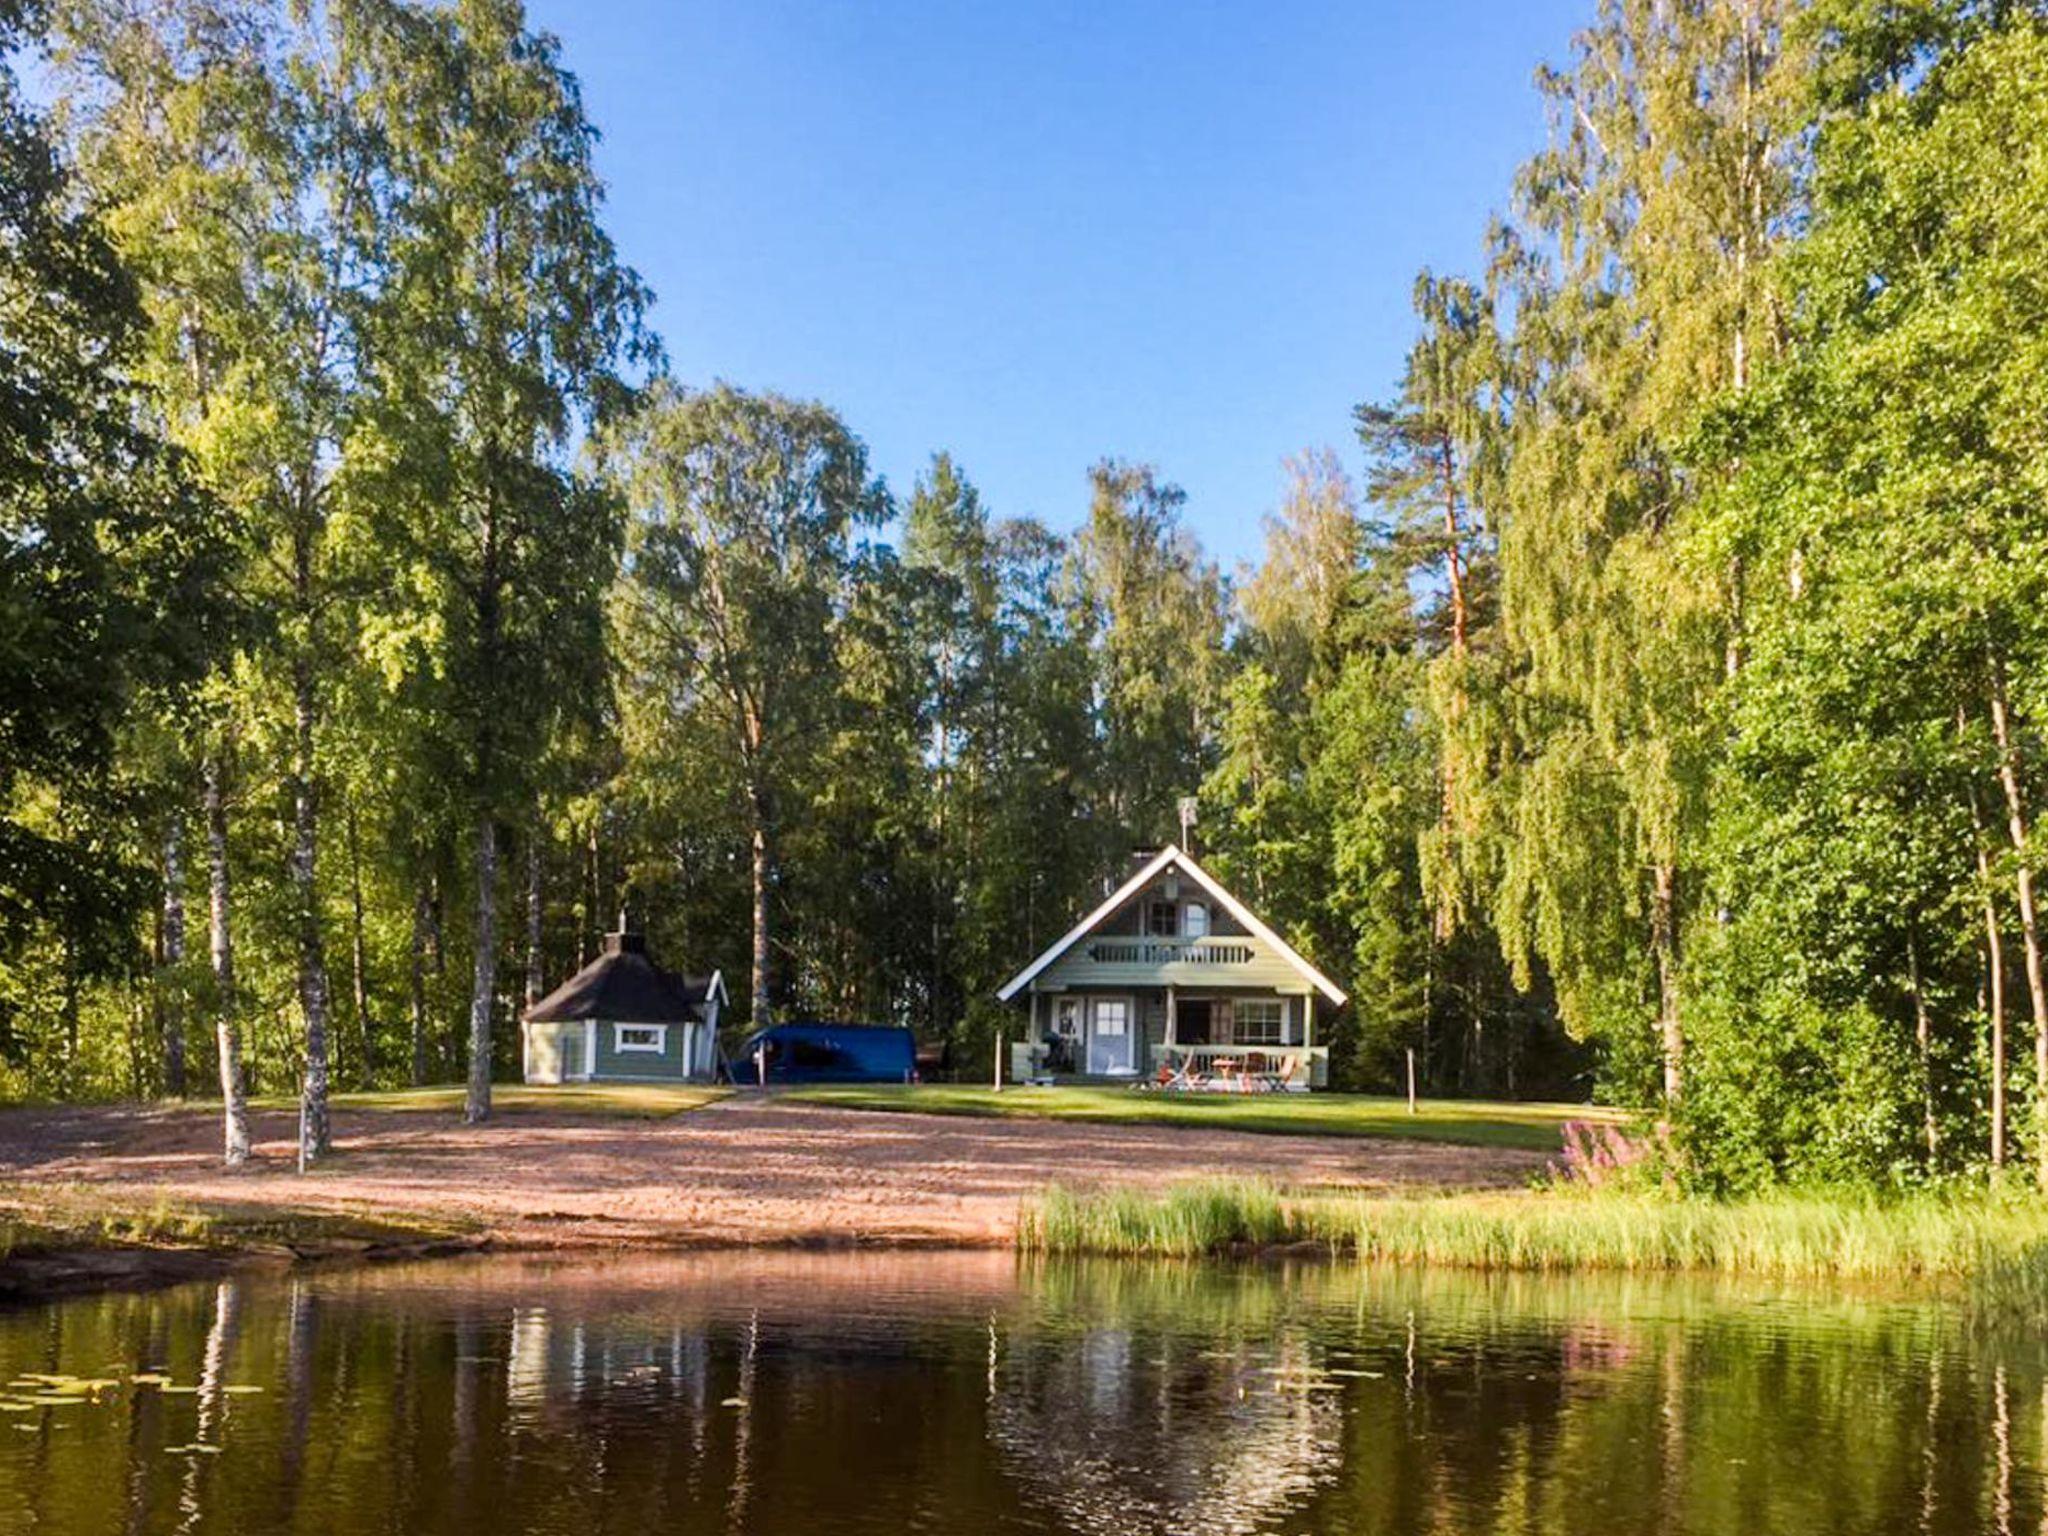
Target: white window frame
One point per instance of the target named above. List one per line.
(658, 1048)
(1277, 1024)
(1194, 920)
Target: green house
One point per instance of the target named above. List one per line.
(1171, 970)
(623, 1019)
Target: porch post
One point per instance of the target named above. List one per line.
(1172, 1016)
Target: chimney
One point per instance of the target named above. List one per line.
(625, 939)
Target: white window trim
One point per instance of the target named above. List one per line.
(1238, 1021)
(659, 1048)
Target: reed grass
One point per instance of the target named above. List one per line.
(1990, 1247)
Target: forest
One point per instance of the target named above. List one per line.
(1653, 714)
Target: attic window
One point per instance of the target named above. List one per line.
(1196, 920)
(652, 1038)
(1162, 919)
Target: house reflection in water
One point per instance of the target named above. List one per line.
(553, 1366)
(1133, 1434)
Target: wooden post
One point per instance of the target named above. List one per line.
(1411, 1079)
(999, 1061)
(761, 1066)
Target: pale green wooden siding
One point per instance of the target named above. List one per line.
(1127, 920)
(614, 1063)
(545, 1051)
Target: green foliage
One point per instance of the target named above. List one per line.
(1888, 502)
(110, 595)
(1661, 710)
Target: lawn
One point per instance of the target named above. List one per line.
(635, 1101)
(1468, 1122)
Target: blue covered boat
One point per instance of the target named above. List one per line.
(829, 1053)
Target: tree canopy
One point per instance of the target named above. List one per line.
(1646, 701)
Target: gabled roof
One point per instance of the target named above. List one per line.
(623, 985)
(1172, 857)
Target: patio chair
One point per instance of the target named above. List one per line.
(1172, 1074)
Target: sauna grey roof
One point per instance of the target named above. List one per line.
(624, 985)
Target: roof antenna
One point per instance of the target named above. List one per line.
(1187, 823)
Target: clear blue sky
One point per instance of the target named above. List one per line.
(1040, 233)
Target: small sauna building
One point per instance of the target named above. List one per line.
(623, 1019)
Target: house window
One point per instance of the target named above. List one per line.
(652, 1038)
(1067, 1019)
(1261, 1021)
(1162, 919)
(1195, 920)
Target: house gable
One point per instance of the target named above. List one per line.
(1110, 944)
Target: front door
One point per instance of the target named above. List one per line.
(1109, 1037)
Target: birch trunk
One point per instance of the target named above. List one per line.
(172, 983)
(359, 958)
(476, 1106)
(534, 971)
(759, 978)
(2030, 937)
(306, 897)
(233, 1085)
(422, 916)
(1923, 1039)
(1994, 967)
(1664, 946)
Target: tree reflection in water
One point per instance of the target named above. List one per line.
(837, 1394)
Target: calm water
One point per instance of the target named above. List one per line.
(824, 1394)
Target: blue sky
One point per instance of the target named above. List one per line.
(1038, 234)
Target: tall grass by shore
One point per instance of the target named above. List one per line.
(1991, 1247)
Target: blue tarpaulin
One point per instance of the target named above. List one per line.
(830, 1053)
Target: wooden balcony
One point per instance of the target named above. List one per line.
(1171, 952)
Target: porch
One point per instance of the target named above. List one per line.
(1236, 1039)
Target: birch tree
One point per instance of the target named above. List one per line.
(511, 319)
(743, 510)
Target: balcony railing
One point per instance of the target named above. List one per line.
(1168, 952)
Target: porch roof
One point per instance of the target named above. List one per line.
(1172, 857)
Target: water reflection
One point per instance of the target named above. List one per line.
(853, 1393)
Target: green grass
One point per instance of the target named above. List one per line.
(1466, 1122)
(43, 1217)
(637, 1101)
(1992, 1248)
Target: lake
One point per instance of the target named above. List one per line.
(975, 1393)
